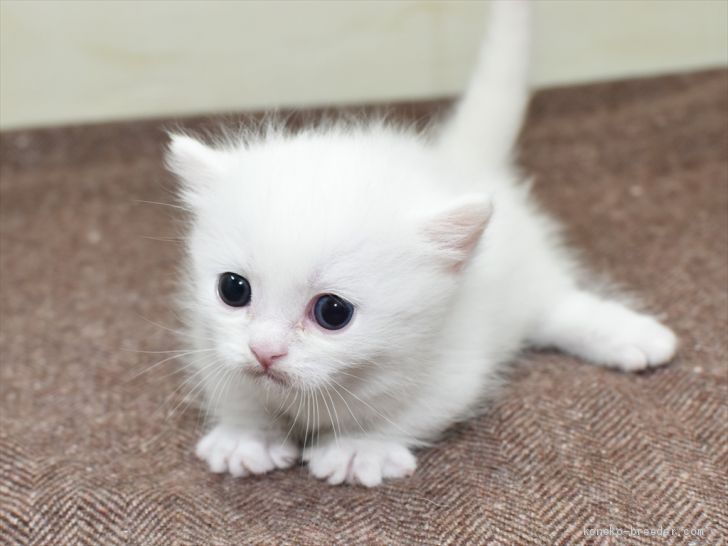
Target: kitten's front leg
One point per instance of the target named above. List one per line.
(245, 441)
(605, 332)
(363, 460)
(243, 451)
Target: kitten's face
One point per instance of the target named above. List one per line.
(313, 261)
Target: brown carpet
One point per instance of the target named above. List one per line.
(91, 452)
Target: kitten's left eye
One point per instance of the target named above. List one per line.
(234, 289)
(332, 312)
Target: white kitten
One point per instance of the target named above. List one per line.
(353, 289)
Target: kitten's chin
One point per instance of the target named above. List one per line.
(273, 376)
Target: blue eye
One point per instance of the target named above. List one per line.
(234, 289)
(332, 312)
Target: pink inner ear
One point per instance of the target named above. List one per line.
(457, 231)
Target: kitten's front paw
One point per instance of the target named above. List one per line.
(362, 461)
(244, 452)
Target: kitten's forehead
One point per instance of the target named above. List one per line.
(331, 175)
(308, 211)
(320, 191)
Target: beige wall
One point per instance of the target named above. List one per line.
(77, 61)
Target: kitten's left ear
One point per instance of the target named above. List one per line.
(455, 231)
(196, 165)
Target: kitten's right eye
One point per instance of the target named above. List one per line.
(234, 289)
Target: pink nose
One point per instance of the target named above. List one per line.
(267, 354)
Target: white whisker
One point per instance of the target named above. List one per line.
(348, 408)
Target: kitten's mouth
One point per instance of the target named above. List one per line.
(272, 375)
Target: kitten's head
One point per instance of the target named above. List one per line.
(316, 257)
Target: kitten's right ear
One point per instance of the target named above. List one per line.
(196, 165)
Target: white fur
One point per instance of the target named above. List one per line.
(450, 265)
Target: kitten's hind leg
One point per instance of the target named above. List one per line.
(605, 332)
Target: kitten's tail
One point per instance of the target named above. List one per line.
(487, 120)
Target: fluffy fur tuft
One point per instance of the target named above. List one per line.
(449, 265)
